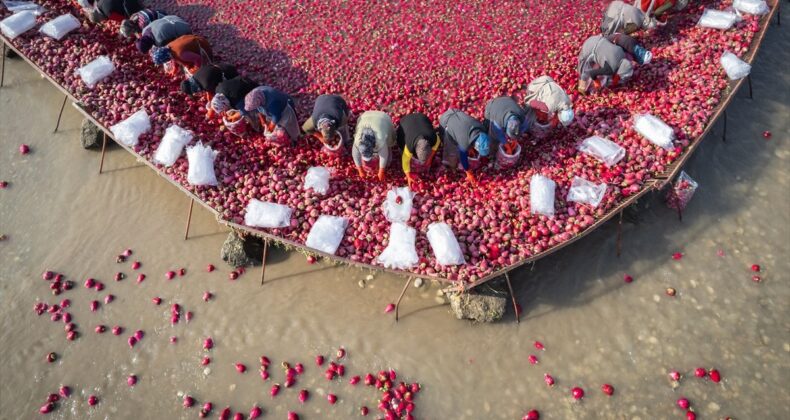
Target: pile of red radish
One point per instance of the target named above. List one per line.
(404, 57)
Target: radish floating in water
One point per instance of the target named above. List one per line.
(671, 291)
(188, 401)
(714, 375)
(109, 298)
(64, 391)
(208, 344)
(690, 415)
(332, 398)
(363, 411)
(116, 330)
(548, 379)
(341, 353)
(100, 329)
(207, 296)
(756, 268)
(51, 357)
(389, 308)
(24, 149)
(354, 380)
(47, 408)
(94, 305)
(674, 375)
(210, 268)
(532, 415)
(156, 300)
(255, 412)
(577, 393)
(131, 380)
(292, 416)
(136, 265)
(303, 395)
(140, 278)
(627, 278)
(93, 400)
(533, 360)
(677, 256)
(683, 403)
(767, 134)
(700, 372)
(205, 361)
(240, 367)
(275, 390)
(607, 389)
(170, 275)
(756, 278)
(319, 360)
(539, 345)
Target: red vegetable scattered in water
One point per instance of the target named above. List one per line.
(577, 393)
(240, 367)
(627, 278)
(607, 389)
(389, 308)
(714, 375)
(683, 403)
(548, 379)
(756, 268)
(532, 415)
(533, 360)
(700, 372)
(332, 398)
(24, 149)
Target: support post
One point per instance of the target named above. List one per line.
(749, 79)
(2, 72)
(263, 259)
(620, 234)
(779, 15)
(402, 292)
(512, 297)
(724, 132)
(189, 218)
(60, 115)
(103, 150)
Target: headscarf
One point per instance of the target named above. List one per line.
(161, 55)
(327, 127)
(220, 103)
(367, 144)
(190, 86)
(566, 116)
(422, 149)
(255, 99)
(512, 127)
(128, 28)
(482, 144)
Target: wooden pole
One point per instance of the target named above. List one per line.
(749, 79)
(402, 292)
(263, 259)
(60, 115)
(2, 72)
(724, 132)
(513, 298)
(620, 234)
(189, 218)
(103, 149)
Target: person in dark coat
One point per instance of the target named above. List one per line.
(206, 79)
(418, 141)
(273, 112)
(138, 21)
(230, 95)
(161, 32)
(604, 60)
(329, 120)
(115, 10)
(462, 135)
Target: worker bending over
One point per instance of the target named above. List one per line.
(604, 61)
(622, 17)
(228, 100)
(162, 32)
(547, 104)
(135, 24)
(273, 112)
(463, 136)
(188, 51)
(206, 79)
(507, 123)
(418, 141)
(329, 122)
(115, 10)
(374, 137)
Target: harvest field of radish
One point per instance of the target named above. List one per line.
(452, 145)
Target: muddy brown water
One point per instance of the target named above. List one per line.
(60, 215)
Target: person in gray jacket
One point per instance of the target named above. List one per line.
(506, 121)
(329, 120)
(604, 60)
(374, 137)
(625, 18)
(161, 31)
(138, 21)
(462, 134)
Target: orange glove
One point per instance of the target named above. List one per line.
(596, 84)
(409, 180)
(173, 70)
(471, 178)
(381, 174)
(361, 172)
(319, 137)
(430, 159)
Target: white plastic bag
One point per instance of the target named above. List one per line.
(655, 130)
(397, 206)
(201, 165)
(681, 193)
(96, 70)
(602, 149)
(584, 191)
(18, 23)
(267, 215)
(129, 130)
(754, 7)
(400, 252)
(718, 19)
(15, 6)
(60, 26)
(541, 195)
(327, 233)
(317, 178)
(172, 145)
(734, 66)
(445, 245)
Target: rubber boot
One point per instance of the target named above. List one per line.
(642, 55)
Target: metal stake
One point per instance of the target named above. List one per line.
(2, 72)
(189, 218)
(620, 234)
(513, 298)
(60, 115)
(402, 292)
(263, 259)
(724, 132)
(749, 79)
(103, 149)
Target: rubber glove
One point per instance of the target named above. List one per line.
(381, 174)
(471, 178)
(361, 172)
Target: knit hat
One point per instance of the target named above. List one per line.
(220, 103)
(422, 149)
(482, 144)
(327, 127)
(128, 28)
(161, 55)
(367, 144)
(255, 99)
(512, 127)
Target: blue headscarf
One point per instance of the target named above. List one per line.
(161, 55)
(482, 144)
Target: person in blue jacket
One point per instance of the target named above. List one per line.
(273, 110)
(463, 135)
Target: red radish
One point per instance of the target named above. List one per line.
(173, 339)
(206, 410)
(311, 259)
(210, 268)
(683, 403)
(354, 380)
(767, 134)
(89, 283)
(93, 400)
(303, 395)
(369, 379)
(188, 401)
(188, 316)
(233, 275)
(389, 308)
(47, 275)
(120, 276)
(170, 275)
(264, 374)
(109, 298)
(532, 415)
(3, 185)
(71, 335)
(255, 412)
(139, 335)
(131, 380)
(539, 345)
(756, 268)
(628, 279)
(116, 330)
(577, 393)
(99, 286)
(24, 149)
(756, 278)
(208, 343)
(51, 357)
(341, 352)
(714, 375)
(136, 265)
(100, 329)
(690, 415)
(207, 296)
(700, 372)
(94, 306)
(224, 414)
(275, 390)
(363, 411)
(332, 398)
(53, 398)
(677, 256)
(674, 375)
(533, 360)
(46, 408)
(607, 389)
(128, 252)
(131, 341)
(265, 362)
(64, 391)
(240, 367)
(292, 416)
(548, 379)
(319, 360)
(140, 278)
(205, 361)
(299, 368)
(156, 300)
(182, 272)
(671, 291)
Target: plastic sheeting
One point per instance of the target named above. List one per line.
(718, 19)
(586, 192)
(18, 23)
(201, 165)
(327, 233)
(734, 66)
(60, 26)
(267, 215)
(172, 144)
(317, 179)
(654, 130)
(602, 149)
(400, 252)
(753, 7)
(445, 244)
(398, 212)
(98, 69)
(541, 195)
(128, 131)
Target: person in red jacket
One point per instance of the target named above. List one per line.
(188, 51)
(660, 8)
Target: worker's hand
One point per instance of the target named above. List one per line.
(409, 180)
(470, 177)
(583, 87)
(319, 137)
(597, 85)
(381, 174)
(361, 172)
(172, 70)
(210, 114)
